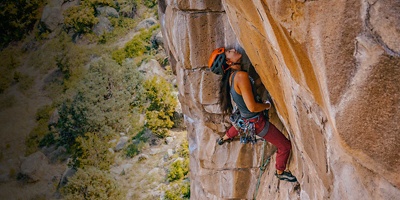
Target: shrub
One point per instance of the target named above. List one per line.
(92, 183)
(40, 130)
(70, 58)
(17, 18)
(133, 150)
(119, 55)
(161, 107)
(178, 170)
(139, 45)
(92, 150)
(72, 122)
(47, 140)
(183, 151)
(149, 3)
(92, 3)
(138, 143)
(128, 8)
(178, 191)
(105, 102)
(80, 19)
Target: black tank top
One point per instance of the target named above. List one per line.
(238, 99)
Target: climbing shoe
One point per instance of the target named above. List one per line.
(221, 141)
(286, 176)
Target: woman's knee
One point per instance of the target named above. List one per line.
(285, 146)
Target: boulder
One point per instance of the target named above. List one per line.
(34, 166)
(104, 26)
(52, 15)
(121, 143)
(158, 39)
(147, 23)
(169, 140)
(107, 12)
(151, 68)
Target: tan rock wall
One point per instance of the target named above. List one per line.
(332, 69)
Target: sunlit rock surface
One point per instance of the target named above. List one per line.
(332, 69)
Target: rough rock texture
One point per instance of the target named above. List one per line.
(332, 69)
(52, 15)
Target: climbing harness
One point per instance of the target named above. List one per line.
(248, 133)
(263, 166)
(247, 127)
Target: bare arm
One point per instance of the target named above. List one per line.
(243, 87)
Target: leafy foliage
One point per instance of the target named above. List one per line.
(92, 3)
(178, 170)
(40, 130)
(72, 122)
(80, 19)
(92, 150)
(65, 56)
(179, 187)
(106, 102)
(132, 150)
(162, 105)
(149, 3)
(17, 17)
(139, 45)
(183, 151)
(92, 183)
(138, 142)
(179, 191)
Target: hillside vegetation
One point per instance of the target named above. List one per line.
(98, 94)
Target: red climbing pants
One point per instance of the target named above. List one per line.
(273, 136)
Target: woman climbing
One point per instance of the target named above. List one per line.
(237, 84)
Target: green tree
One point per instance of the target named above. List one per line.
(72, 122)
(161, 107)
(92, 183)
(106, 102)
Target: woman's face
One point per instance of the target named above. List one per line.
(233, 56)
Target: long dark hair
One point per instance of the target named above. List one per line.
(225, 96)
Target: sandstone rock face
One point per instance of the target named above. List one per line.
(332, 69)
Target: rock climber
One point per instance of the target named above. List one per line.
(237, 84)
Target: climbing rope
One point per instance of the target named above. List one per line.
(262, 168)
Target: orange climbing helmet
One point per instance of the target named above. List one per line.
(217, 62)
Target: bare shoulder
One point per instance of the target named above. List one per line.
(242, 75)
